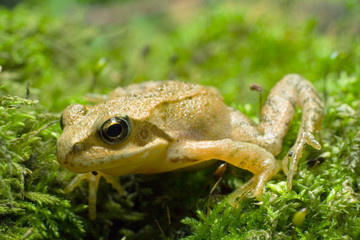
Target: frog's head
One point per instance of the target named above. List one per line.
(109, 138)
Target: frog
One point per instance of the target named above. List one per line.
(162, 126)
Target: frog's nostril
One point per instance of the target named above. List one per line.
(77, 147)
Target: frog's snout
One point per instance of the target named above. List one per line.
(61, 154)
(66, 152)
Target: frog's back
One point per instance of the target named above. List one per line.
(165, 90)
(183, 110)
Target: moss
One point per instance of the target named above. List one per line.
(29, 197)
(50, 61)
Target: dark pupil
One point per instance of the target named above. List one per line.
(114, 130)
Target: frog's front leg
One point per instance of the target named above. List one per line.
(240, 154)
(93, 179)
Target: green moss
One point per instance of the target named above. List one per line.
(29, 195)
(224, 45)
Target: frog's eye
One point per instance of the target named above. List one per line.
(62, 125)
(115, 130)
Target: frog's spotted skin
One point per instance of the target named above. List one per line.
(164, 126)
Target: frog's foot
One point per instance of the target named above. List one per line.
(295, 153)
(236, 196)
(93, 178)
(256, 183)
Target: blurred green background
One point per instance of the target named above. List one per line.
(53, 53)
(58, 44)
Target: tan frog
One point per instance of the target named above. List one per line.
(157, 127)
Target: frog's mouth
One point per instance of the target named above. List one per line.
(111, 161)
(117, 162)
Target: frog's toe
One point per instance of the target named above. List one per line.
(310, 140)
(256, 183)
(241, 192)
(76, 181)
(295, 154)
(285, 162)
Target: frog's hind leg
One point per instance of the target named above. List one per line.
(93, 179)
(312, 108)
(275, 119)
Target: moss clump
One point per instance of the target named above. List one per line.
(30, 200)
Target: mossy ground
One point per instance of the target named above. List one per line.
(51, 59)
